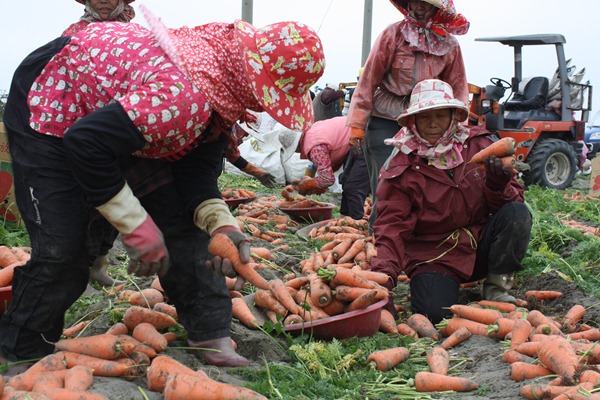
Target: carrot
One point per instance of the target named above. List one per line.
(62, 393)
(47, 381)
(297, 282)
(136, 314)
(281, 293)
(370, 251)
(520, 333)
(501, 328)
(574, 315)
(147, 334)
(261, 252)
(181, 386)
(590, 334)
(157, 285)
(26, 380)
(75, 329)
(7, 257)
(423, 326)
(343, 276)
(501, 148)
(162, 367)
(341, 249)
(14, 394)
(374, 276)
(363, 301)
(22, 253)
(543, 294)
(355, 248)
(430, 382)
(100, 366)
(166, 309)
(320, 292)
(146, 298)
(104, 345)
(292, 319)
(349, 293)
(520, 371)
(242, 313)
(7, 273)
(438, 360)
(511, 356)
(457, 337)
(498, 305)
(387, 359)
(308, 310)
(558, 356)
(406, 330)
(387, 323)
(448, 326)
(336, 307)
(118, 329)
(536, 318)
(536, 391)
(130, 345)
(590, 376)
(482, 315)
(220, 245)
(79, 378)
(265, 300)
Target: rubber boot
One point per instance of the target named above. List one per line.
(496, 287)
(99, 272)
(220, 352)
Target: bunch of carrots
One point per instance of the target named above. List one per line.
(294, 200)
(237, 193)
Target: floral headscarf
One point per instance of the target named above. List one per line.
(122, 13)
(436, 36)
(443, 154)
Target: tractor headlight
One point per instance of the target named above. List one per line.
(595, 136)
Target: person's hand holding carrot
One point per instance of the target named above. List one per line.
(224, 266)
(497, 175)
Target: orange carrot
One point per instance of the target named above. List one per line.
(370, 251)
(166, 309)
(387, 359)
(387, 323)
(520, 371)
(281, 293)
(22, 253)
(181, 386)
(430, 382)
(374, 276)
(363, 301)
(355, 248)
(118, 329)
(501, 328)
(170, 336)
(502, 148)
(406, 330)
(162, 367)
(529, 348)
(498, 305)
(336, 307)
(482, 315)
(558, 356)
(343, 276)
(63, 393)
(438, 360)
(7, 273)
(542, 294)
(423, 326)
(341, 249)
(25, 380)
(448, 326)
(349, 293)
(75, 329)
(574, 315)
(511, 356)
(220, 245)
(265, 300)
(590, 376)
(457, 337)
(320, 292)
(536, 391)
(261, 252)
(130, 345)
(146, 298)
(136, 314)
(46, 381)
(156, 285)
(147, 334)
(7, 257)
(292, 319)
(520, 333)
(590, 334)
(297, 282)
(308, 309)
(10, 393)
(536, 318)
(100, 366)
(104, 345)
(79, 378)
(242, 313)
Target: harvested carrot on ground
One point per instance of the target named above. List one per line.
(535, 391)
(135, 315)
(504, 147)
(281, 293)
(438, 360)
(501, 327)
(118, 329)
(242, 313)
(387, 323)
(457, 337)
(387, 359)
(261, 252)
(100, 366)
(25, 380)
(47, 381)
(511, 356)
(559, 356)
(7, 257)
(75, 329)
(520, 371)
(265, 300)
(341, 249)
(423, 326)
(166, 309)
(181, 386)
(536, 318)
(147, 334)
(162, 367)
(482, 315)
(220, 245)
(448, 326)
(349, 293)
(79, 378)
(520, 333)
(130, 345)
(543, 294)
(146, 298)
(378, 277)
(574, 314)
(363, 301)
(498, 305)
(430, 382)
(355, 248)
(103, 346)
(406, 330)
(590, 334)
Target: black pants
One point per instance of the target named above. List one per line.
(501, 250)
(355, 189)
(376, 153)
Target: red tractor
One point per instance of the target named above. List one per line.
(549, 135)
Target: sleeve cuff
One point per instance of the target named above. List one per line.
(213, 214)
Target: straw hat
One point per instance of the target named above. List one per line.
(432, 94)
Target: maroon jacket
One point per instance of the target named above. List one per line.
(427, 219)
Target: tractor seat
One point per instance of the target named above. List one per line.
(535, 95)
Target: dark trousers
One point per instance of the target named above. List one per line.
(500, 251)
(376, 153)
(355, 189)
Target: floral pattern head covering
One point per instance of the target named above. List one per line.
(432, 94)
(436, 36)
(122, 13)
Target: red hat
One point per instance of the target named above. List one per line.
(283, 60)
(83, 1)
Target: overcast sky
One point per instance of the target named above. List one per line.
(28, 24)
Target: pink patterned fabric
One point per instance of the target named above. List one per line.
(320, 157)
(122, 13)
(122, 62)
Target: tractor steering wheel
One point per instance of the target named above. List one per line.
(501, 83)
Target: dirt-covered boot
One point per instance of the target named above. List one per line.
(496, 287)
(99, 272)
(220, 352)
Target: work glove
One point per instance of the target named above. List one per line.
(267, 179)
(309, 186)
(223, 266)
(496, 175)
(357, 136)
(141, 237)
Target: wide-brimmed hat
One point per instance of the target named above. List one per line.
(283, 60)
(289, 140)
(83, 1)
(432, 94)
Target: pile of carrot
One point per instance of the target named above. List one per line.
(237, 193)
(294, 200)
(579, 226)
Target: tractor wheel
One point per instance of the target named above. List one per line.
(553, 163)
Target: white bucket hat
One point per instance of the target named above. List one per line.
(289, 140)
(432, 94)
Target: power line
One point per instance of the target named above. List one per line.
(324, 16)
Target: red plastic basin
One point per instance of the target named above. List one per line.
(233, 203)
(310, 214)
(5, 296)
(359, 323)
